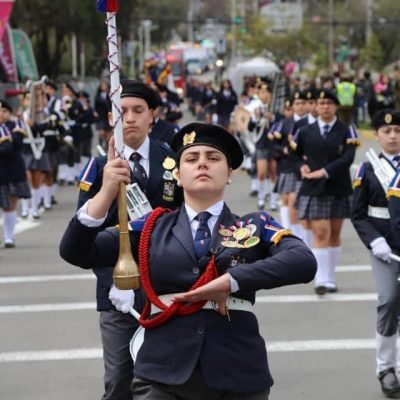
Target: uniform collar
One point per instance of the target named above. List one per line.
(215, 210)
(389, 156)
(143, 150)
(321, 123)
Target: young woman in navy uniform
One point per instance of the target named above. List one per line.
(325, 152)
(288, 177)
(370, 218)
(157, 160)
(205, 344)
(13, 180)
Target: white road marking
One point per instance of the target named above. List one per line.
(47, 307)
(272, 347)
(312, 298)
(47, 278)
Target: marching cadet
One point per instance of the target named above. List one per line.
(202, 339)
(288, 178)
(13, 181)
(152, 163)
(370, 218)
(325, 152)
(312, 115)
(393, 196)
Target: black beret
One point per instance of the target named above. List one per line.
(196, 133)
(84, 94)
(386, 116)
(311, 94)
(298, 95)
(327, 94)
(5, 104)
(131, 88)
(52, 84)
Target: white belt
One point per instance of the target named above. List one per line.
(233, 303)
(378, 212)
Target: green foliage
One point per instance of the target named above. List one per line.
(372, 55)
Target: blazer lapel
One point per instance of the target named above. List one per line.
(183, 233)
(156, 170)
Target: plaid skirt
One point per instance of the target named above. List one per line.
(43, 164)
(20, 190)
(288, 182)
(323, 207)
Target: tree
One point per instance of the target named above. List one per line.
(372, 55)
(50, 25)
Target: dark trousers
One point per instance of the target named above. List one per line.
(194, 389)
(117, 330)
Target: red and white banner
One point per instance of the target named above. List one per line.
(7, 59)
(5, 11)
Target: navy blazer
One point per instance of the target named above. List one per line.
(232, 355)
(163, 131)
(335, 153)
(369, 192)
(156, 185)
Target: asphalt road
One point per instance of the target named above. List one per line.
(50, 342)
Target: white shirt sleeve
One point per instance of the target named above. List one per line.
(86, 220)
(234, 284)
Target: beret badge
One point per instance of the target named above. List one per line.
(189, 138)
(388, 118)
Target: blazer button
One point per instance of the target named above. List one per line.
(200, 330)
(196, 270)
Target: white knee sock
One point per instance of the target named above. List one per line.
(47, 196)
(254, 186)
(262, 189)
(334, 256)
(25, 206)
(284, 214)
(322, 256)
(10, 219)
(386, 352)
(35, 199)
(273, 200)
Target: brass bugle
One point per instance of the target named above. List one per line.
(126, 271)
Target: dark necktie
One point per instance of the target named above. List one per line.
(138, 172)
(325, 131)
(396, 162)
(202, 238)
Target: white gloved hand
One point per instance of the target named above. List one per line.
(381, 249)
(122, 300)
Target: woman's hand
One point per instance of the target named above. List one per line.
(218, 290)
(318, 174)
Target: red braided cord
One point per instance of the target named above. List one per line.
(175, 308)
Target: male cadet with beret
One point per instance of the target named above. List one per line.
(372, 221)
(152, 163)
(325, 151)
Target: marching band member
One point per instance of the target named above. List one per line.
(156, 162)
(288, 178)
(205, 344)
(370, 218)
(13, 181)
(325, 152)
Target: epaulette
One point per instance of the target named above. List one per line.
(394, 187)
(88, 175)
(353, 136)
(137, 225)
(358, 177)
(273, 231)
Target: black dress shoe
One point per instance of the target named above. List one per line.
(389, 383)
(253, 193)
(331, 289)
(320, 290)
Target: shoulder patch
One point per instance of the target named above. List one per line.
(394, 186)
(352, 136)
(272, 230)
(88, 175)
(359, 175)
